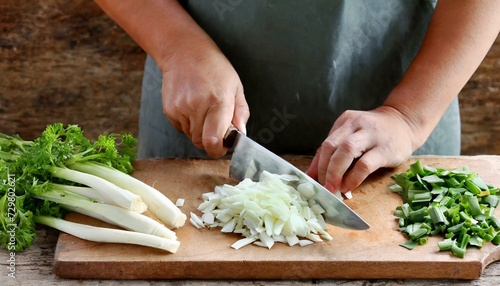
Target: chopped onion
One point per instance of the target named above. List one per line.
(196, 221)
(348, 195)
(277, 208)
(242, 242)
(305, 242)
(179, 202)
(208, 218)
(306, 189)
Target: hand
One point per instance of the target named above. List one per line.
(359, 143)
(202, 95)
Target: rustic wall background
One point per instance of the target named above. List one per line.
(66, 61)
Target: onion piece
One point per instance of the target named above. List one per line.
(242, 242)
(305, 242)
(277, 208)
(179, 202)
(348, 195)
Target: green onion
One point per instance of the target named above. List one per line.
(496, 240)
(417, 168)
(423, 240)
(456, 228)
(410, 244)
(418, 233)
(476, 241)
(458, 251)
(398, 213)
(479, 183)
(452, 182)
(492, 200)
(472, 187)
(102, 234)
(457, 204)
(445, 244)
(495, 222)
(418, 215)
(433, 179)
(49, 183)
(437, 216)
(474, 207)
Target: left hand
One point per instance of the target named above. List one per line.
(359, 143)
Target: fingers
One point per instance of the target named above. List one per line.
(241, 112)
(324, 154)
(202, 99)
(233, 109)
(345, 167)
(215, 125)
(368, 163)
(358, 144)
(206, 129)
(312, 171)
(195, 126)
(337, 156)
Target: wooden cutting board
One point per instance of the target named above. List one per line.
(206, 254)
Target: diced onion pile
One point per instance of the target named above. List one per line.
(278, 208)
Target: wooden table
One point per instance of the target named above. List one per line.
(34, 267)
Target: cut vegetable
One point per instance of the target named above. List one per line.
(107, 189)
(102, 234)
(158, 204)
(456, 203)
(179, 202)
(108, 213)
(275, 209)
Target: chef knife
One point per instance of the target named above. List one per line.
(249, 159)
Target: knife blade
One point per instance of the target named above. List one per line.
(249, 159)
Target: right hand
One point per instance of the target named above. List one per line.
(202, 95)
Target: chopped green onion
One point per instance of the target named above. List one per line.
(496, 240)
(437, 216)
(474, 207)
(455, 203)
(423, 240)
(418, 233)
(476, 241)
(458, 251)
(418, 215)
(472, 187)
(432, 179)
(479, 183)
(417, 168)
(445, 244)
(492, 200)
(410, 244)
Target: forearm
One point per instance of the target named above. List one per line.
(458, 38)
(162, 28)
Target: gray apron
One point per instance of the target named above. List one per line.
(302, 63)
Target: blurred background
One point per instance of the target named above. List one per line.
(66, 61)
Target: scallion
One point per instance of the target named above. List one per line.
(456, 203)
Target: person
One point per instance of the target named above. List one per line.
(361, 85)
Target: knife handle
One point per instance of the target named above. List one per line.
(230, 136)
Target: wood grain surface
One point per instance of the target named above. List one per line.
(206, 254)
(35, 267)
